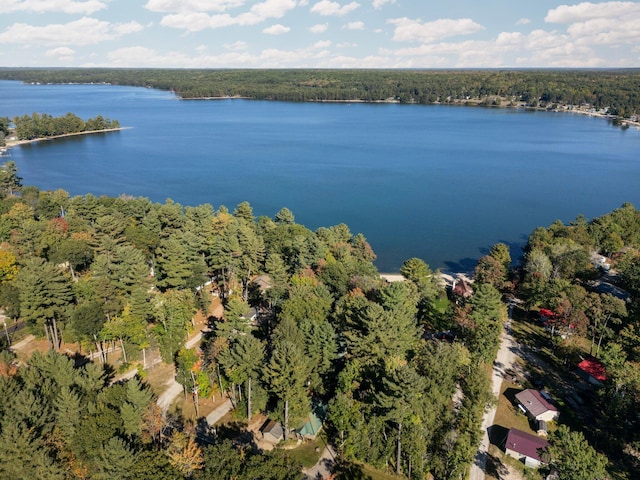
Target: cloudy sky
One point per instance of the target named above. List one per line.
(319, 33)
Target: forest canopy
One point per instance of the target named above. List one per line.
(399, 371)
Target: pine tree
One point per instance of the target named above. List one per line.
(45, 297)
(242, 363)
(287, 374)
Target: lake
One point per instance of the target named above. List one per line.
(436, 182)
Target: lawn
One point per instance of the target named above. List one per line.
(507, 414)
(308, 452)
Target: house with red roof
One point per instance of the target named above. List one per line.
(537, 405)
(526, 447)
(593, 371)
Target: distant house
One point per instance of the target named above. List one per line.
(537, 405)
(263, 282)
(593, 371)
(554, 323)
(525, 447)
(600, 286)
(546, 315)
(251, 315)
(461, 288)
(272, 431)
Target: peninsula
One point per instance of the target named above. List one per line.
(37, 127)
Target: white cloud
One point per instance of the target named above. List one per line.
(322, 44)
(186, 6)
(259, 12)
(510, 38)
(276, 29)
(327, 8)
(273, 8)
(61, 52)
(85, 31)
(319, 28)
(354, 26)
(523, 21)
(346, 45)
(86, 7)
(588, 11)
(235, 46)
(138, 56)
(378, 4)
(609, 23)
(408, 30)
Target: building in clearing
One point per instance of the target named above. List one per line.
(537, 405)
(272, 431)
(525, 447)
(311, 427)
(593, 371)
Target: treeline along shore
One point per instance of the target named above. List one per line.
(614, 91)
(37, 127)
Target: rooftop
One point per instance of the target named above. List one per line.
(534, 402)
(593, 367)
(525, 443)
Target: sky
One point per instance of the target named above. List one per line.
(319, 33)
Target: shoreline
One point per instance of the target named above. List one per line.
(14, 143)
(577, 109)
(445, 277)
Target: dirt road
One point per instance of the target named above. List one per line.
(504, 361)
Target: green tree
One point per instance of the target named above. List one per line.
(403, 402)
(285, 216)
(487, 314)
(10, 182)
(242, 363)
(287, 374)
(500, 252)
(115, 460)
(45, 297)
(418, 272)
(573, 458)
(375, 336)
(490, 270)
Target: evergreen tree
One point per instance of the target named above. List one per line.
(287, 374)
(242, 363)
(45, 297)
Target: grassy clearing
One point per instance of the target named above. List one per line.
(375, 474)
(158, 376)
(308, 452)
(507, 414)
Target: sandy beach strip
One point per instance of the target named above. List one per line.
(14, 143)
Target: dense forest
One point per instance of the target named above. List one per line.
(617, 90)
(128, 275)
(29, 127)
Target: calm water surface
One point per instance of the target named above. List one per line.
(435, 182)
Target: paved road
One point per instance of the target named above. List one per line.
(504, 361)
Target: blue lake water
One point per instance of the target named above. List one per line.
(436, 182)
